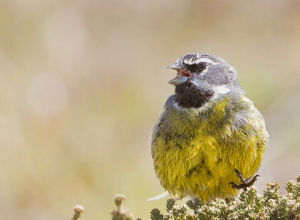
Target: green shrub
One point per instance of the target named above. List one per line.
(248, 205)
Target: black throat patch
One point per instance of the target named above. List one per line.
(188, 96)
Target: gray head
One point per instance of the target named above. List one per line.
(200, 77)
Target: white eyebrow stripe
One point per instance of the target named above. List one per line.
(204, 60)
(189, 62)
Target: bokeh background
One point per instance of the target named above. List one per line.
(82, 83)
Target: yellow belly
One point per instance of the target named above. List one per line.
(202, 168)
(196, 163)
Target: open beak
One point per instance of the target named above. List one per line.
(178, 80)
(182, 77)
(183, 74)
(176, 66)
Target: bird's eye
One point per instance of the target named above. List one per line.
(192, 68)
(196, 68)
(201, 66)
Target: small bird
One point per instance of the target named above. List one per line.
(209, 141)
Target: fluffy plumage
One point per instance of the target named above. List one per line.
(208, 129)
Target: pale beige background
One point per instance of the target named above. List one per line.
(82, 83)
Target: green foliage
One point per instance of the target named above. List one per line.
(248, 205)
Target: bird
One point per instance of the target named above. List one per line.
(210, 139)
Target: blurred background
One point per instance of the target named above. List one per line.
(82, 83)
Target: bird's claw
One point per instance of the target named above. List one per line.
(245, 182)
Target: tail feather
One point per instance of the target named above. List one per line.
(158, 197)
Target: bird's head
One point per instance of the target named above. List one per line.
(200, 77)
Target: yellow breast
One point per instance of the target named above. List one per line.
(195, 151)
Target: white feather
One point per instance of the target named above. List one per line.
(158, 197)
(204, 60)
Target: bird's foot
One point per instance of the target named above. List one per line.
(245, 182)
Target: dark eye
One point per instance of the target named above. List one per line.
(196, 67)
(192, 68)
(201, 67)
